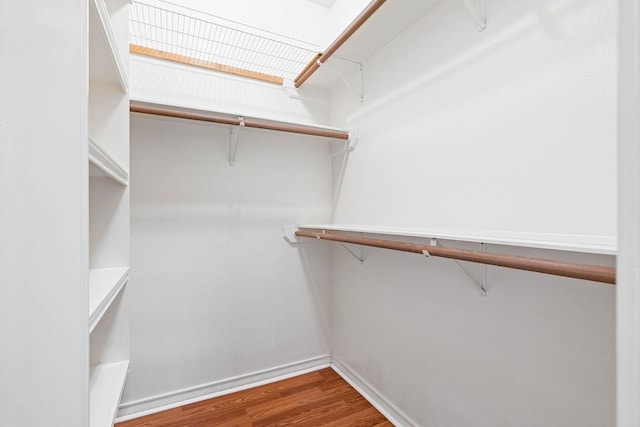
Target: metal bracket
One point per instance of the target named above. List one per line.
(350, 145)
(359, 91)
(478, 9)
(481, 285)
(233, 141)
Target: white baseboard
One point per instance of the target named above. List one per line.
(174, 399)
(378, 400)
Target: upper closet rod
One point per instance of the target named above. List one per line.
(595, 273)
(250, 123)
(348, 32)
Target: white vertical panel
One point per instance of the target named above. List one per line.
(628, 296)
(43, 213)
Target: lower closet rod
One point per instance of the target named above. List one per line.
(595, 273)
(250, 123)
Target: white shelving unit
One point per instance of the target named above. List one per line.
(108, 157)
(604, 245)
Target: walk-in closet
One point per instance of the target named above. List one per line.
(320, 213)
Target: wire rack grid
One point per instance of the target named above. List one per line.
(205, 39)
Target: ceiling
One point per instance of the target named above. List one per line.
(326, 3)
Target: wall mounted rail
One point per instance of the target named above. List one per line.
(239, 121)
(594, 273)
(320, 59)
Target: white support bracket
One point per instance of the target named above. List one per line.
(356, 256)
(358, 87)
(481, 285)
(478, 9)
(350, 144)
(233, 141)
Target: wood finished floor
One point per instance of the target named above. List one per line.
(320, 398)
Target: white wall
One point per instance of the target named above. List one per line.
(536, 351)
(510, 129)
(217, 291)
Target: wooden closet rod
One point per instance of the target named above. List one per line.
(348, 32)
(595, 273)
(250, 123)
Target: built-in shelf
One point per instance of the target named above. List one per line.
(105, 392)
(105, 60)
(605, 245)
(104, 285)
(105, 165)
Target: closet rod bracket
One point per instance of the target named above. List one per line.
(233, 141)
(350, 144)
(289, 236)
(480, 284)
(478, 10)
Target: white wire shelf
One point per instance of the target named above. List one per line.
(165, 30)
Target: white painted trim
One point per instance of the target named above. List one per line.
(628, 287)
(101, 159)
(373, 396)
(174, 399)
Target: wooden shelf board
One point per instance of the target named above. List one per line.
(605, 245)
(105, 60)
(104, 285)
(105, 163)
(105, 391)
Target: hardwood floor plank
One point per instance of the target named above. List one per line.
(309, 414)
(366, 418)
(300, 412)
(154, 420)
(320, 398)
